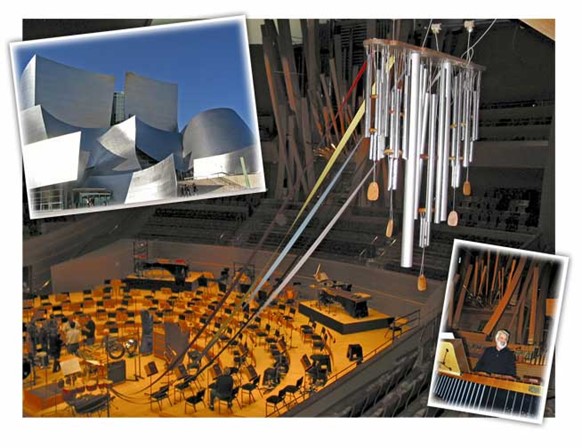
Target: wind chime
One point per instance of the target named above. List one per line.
(422, 108)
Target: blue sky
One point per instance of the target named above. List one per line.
(208, 62)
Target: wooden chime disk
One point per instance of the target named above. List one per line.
(467, 188)
(453, 219)
(421, 283)
(390, 228)
(373, 191)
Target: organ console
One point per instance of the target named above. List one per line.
(473, 392)
(457, 387)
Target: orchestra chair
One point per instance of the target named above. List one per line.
(273, 339)
(195, 399)
(228, 400)
(274, 401)
(161, 394)
(319, 344)
(292, 389)
(250, 387)
(183, 386)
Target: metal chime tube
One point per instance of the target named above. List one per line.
(467, 127)
(368, 117)
(477, 102)
(423, 230)
(440, 146)
(397, 146)
(386, 100)
(446, 142)
(405, 108)
(421, 147)
(431, 162)
(410, 178)
(378, 112)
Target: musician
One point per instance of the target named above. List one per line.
(73, 338)
(498, 359)
(88, 331)
(222, 389)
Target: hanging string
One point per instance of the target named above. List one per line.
(478, 40)
(426, 34)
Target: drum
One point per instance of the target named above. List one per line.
(91, 386)
(68, 393)
(79, 387)
(105, 384)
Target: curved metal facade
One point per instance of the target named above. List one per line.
(230, 164)
(154, 102)
(120, 140)
(77, 97)
(156, 143)
(155, 183)
(214, 132)
(38, 156)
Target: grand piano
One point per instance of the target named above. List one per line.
(355, 304)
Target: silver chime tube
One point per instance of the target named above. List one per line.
(431, 162)
(380, 97)
(392, 125)
(369, 75)
(447, 142)
(387, 90)
(422, 230)
(410, 177)
(477, 102)
(390, 161)
(467, 128)
(405, 108)
(442, 129)
(421, 147)
(398, 121)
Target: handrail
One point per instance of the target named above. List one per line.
(411, 318)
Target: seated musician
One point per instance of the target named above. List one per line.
(222, 389)
(498, 360)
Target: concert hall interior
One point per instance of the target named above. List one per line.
(317, 300)
(494, 290)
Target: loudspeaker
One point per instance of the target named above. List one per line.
(151, 368)
(116, 371)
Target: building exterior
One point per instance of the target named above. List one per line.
(120, 147)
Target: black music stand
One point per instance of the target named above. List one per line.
(151, 369)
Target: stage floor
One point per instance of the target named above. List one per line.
(335, 317)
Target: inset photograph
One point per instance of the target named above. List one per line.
(498, 331)
(137, 117)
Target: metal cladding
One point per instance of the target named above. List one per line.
(117, 184)
(216, 140)
(216, 131)
(155, 183)
(76, 97)
(40, 155)
(159, 144)
(120, 140)
(154, 102)
(230, 163)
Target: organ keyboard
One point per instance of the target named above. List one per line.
(472, 392)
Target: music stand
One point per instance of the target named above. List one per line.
(151, 370)
(452, 357)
